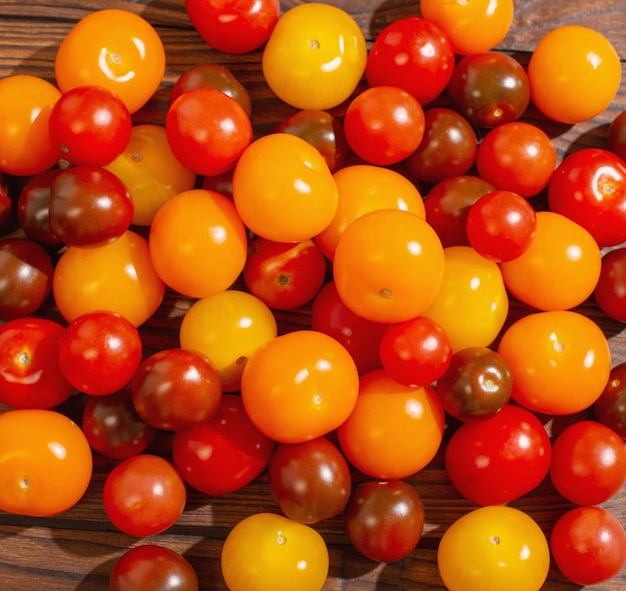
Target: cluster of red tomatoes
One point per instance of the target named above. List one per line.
(405, 221)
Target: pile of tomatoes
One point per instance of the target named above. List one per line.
(407, 201)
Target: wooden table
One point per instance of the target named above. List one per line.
(76, 550)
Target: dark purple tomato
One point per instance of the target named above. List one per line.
(113, 428)
(309, 481)
(610, 290)
(33, 208)
(610, 407)
(448, 203)
(384, 520)
(89, 206)
(150, 567)
(26, 272)
(322, 130)
(212, 75)
(616, 136)
(176, 389)
(448, 147)
(6, 206)
(489, 89)
(477, 384)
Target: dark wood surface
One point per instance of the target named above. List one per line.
(76, 550)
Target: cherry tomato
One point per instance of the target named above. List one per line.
(310, 481)
(588, 545)
(476, 384)
(560, 268)
(7, 218)
(143, 495)
(90, 125)
(30, 374)
(46, 462)
(265, 552)
(89, 206)
(494, 548)
(472, 303)
(500, 458)
(322, 130)
(284, 276)
(314, 386)
(384, 125)
(367, 187)
(175, 389)
(25, 144)
(234, 26)
(414, 54)
(588, 463)
(516, 156)
(616, 135)
(198, 243)
(610, 407)
(416, 352)
(99, 352)
(212, 75)
(448, 147)
(589, 187)
(223, 454)
(116, 49)
(289, 203)
(113, 428)
(118, 276)
(574, 73)
(360, 337)
(152, 568)
(501, 225)
(394, 430)
(26, 271)
(610, 290)
(489, 88)
(315, 56)
(388, 265)
(385, 520)
(207, 130)
(227, 328)
(150, 171)
(473, 26)
(559, 360)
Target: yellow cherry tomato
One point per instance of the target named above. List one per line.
(118, 276)
(574, 73)
(363, 188)
(494, 548)
(25, 144)
(228, 328)
(315, 56)
(150, 171)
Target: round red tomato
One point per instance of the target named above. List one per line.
(144, 495)
(610, 290)
(498, 459)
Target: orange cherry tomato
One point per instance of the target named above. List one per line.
(299, 386)
(116, 49)
(472, 303)
(315, 56)
(574, 73)
(560, 268)
(228, 328)
(394, 430)
(363, 188)
(473, 26)
(388, 265)
(25, 144)
(198, 243)
(287, 203)
(150, 171)
(118, 276)
(45, 462)
(559, 361)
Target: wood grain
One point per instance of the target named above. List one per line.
(76, 550)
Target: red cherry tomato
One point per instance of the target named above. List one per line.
(610, 290)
